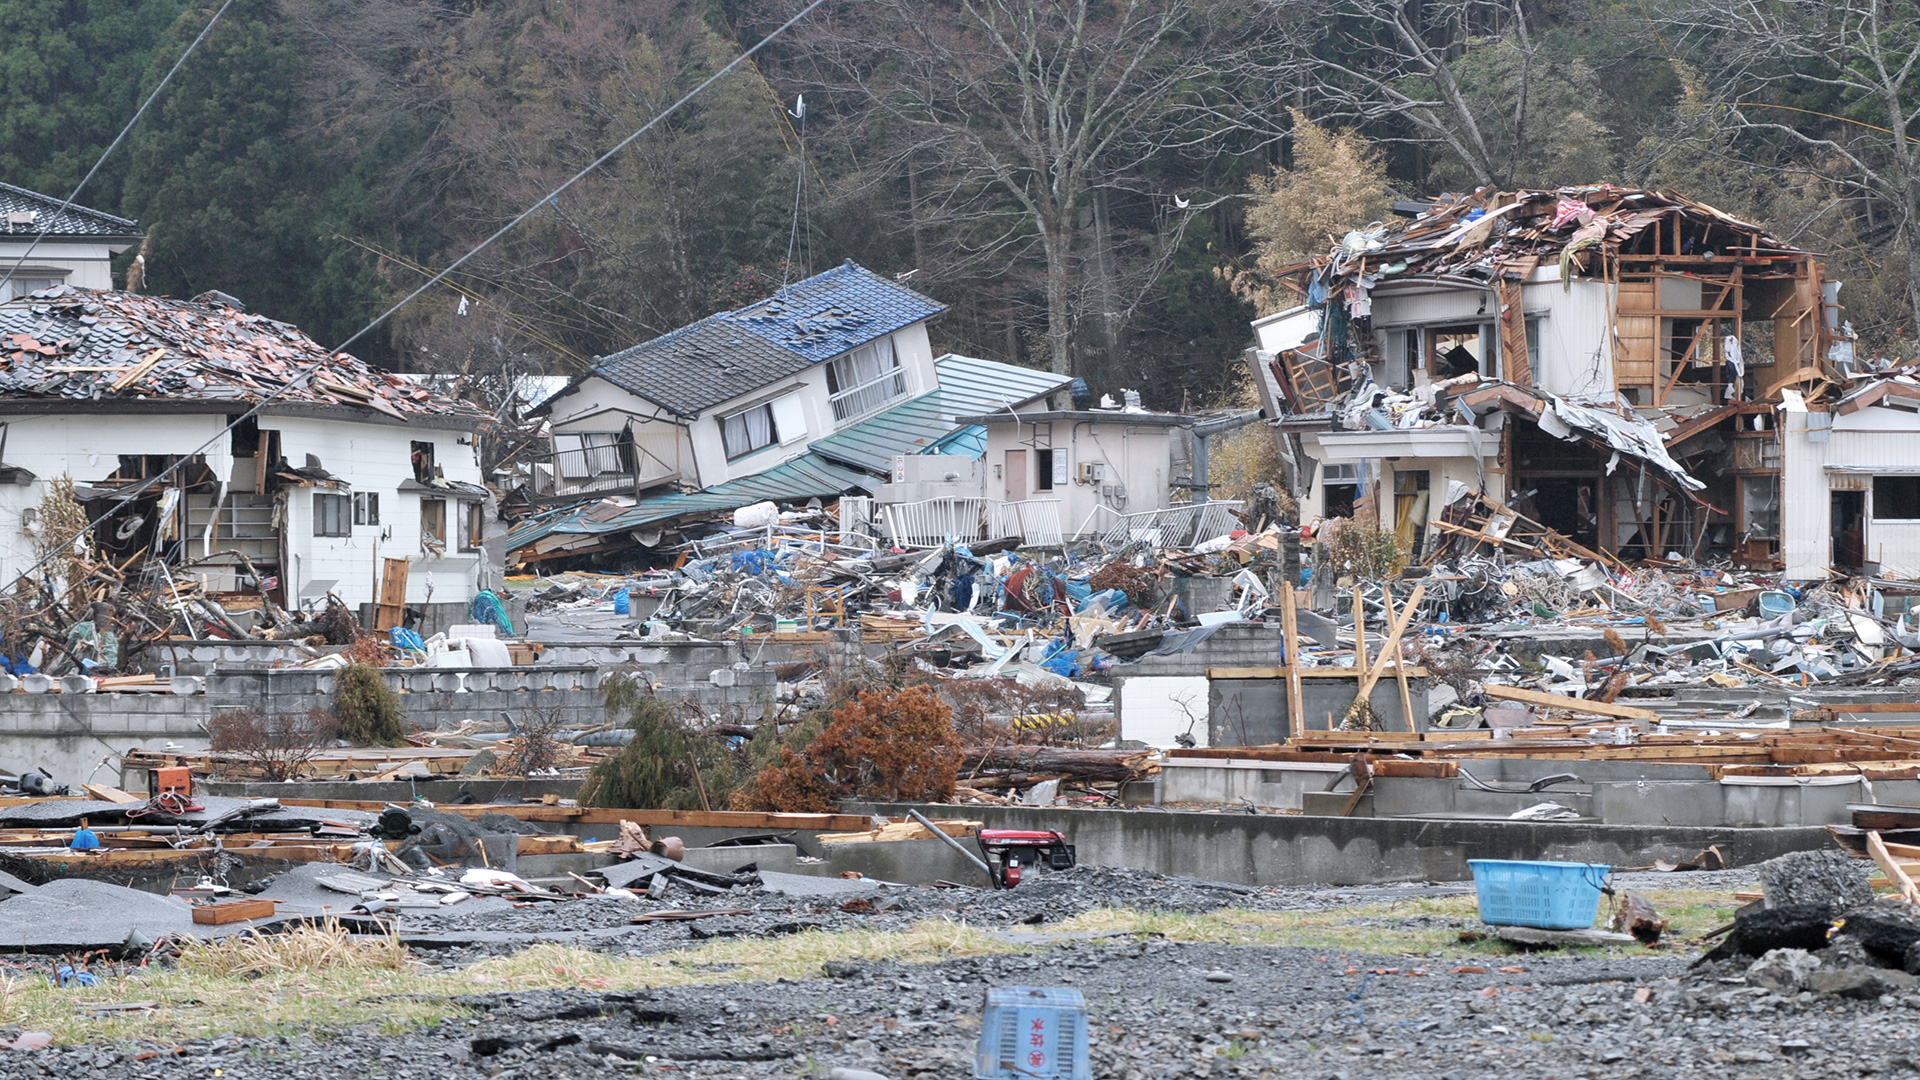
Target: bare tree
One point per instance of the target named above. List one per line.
(1392, 65)
(1011, 119)
(1839, 79)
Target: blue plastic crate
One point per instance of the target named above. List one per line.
(1547, 895)
(1033, 1031)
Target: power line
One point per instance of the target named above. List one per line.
(142, 111)
(127, 498)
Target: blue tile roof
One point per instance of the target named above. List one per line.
(723, 356)
(830, 313)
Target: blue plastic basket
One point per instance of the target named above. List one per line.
(1547, 895)
(1029, 1031)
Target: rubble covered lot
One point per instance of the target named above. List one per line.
(695, 722)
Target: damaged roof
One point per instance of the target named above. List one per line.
(804, 477)
(1487, 233)
(723, 356)
(98, 349)
(43, 213)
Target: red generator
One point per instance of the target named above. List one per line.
(1010, 852)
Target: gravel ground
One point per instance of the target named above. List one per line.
(1156, 1008)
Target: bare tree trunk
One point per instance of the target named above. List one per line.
(1059, 249)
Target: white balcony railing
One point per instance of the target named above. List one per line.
(929, 523)
(869, 397)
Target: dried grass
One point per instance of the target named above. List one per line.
(323, 947)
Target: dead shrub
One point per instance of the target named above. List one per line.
(989, 712)
(536, 745)
(1141, 586)
(896, 746)
(276, 746)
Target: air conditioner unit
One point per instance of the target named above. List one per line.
(1092, 472)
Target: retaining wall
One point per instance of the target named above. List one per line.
(1298, 850)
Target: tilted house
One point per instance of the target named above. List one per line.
(343, 470)
(1607, 363)
(743, 391)
(823, 390)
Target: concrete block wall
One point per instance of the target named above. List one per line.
(1302, 851)
(1234, 645)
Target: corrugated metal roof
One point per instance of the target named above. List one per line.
(805, 477)
(967, 386)
(48, 217)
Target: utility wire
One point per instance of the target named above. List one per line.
(111, 147)
(126, 498)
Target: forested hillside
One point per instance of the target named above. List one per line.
(1093, 185)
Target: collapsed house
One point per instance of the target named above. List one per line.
(345, 478)
(1610, 363)
(823, 390)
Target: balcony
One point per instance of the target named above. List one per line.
(858, 402)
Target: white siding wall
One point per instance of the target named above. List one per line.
(89, 266)
(1576, 339)
(376, 458)
(372, 457)
(599, 406)
(1138, 457)
(1873, 436)
(87, 448)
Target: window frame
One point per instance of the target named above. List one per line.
(425, 534)
(473, 524)
(1875, 514)
(366, 508)
(773, 430)
(337, 505)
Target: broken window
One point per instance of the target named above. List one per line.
(748, 430)
(473, 525)
(433, 525)
(1340, 485)
(1456, 350)
(423, 461)
(864, 380)
(1045, 459)
(587, 455)
(330, 515)
(366, 508)
(1896, 498)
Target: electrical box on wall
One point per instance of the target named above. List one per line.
(1092, 472)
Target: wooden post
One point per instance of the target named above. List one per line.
(1400, 668)
(1387, 649)
(1360, 628)
(1290, 631)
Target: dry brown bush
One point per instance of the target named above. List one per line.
(278, 746)
(897, 746)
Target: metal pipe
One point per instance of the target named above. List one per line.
(957, 846)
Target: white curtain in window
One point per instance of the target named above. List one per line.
(743, 433)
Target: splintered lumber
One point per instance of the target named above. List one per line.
(232, 911)
(1066, 761)
(903, 830)
(1388, 650)
(1400, 675)
(1570, 704)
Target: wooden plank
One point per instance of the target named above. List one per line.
(1414, 671)
(1390, 649)
(1877, 848)
(587, 815)
(391, 609)
(229, 911)
(1571, 704)
(109, 793)
(1400, 675)
(1290, 630)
